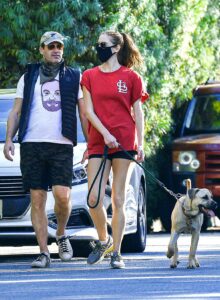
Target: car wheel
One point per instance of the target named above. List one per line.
(81, 248)
(136, 242)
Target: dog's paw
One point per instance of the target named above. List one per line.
(174, 265)
(193, 263)
(189, 266)
(197, 264)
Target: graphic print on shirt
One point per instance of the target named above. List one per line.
(122, 87)
(50, 93)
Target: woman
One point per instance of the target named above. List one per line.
(113, 94)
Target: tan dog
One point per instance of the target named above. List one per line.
(187, 217)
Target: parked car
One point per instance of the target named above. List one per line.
(15, 223)
(196, 151)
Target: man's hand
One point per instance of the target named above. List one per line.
(9, 148)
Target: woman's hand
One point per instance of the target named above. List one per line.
(110, 140)
(140, 155)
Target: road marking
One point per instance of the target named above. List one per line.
(109, 279)
(186, 296)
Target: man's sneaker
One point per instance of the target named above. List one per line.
(100, 251)
(117, 261)
(65, 248)
(43, 261)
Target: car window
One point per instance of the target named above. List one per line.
(178, 115)
(5, 108)
(205, 116)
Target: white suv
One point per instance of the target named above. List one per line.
(15, 222)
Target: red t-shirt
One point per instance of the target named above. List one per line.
(113, 95)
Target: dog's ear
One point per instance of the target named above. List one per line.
(192, 193)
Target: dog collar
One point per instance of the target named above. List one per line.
(189, 216)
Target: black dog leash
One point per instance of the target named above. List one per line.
(161, 184)
(102, 167)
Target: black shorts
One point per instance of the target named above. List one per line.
(118, 154)
(46, 164)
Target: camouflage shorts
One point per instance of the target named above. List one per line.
(46, 164)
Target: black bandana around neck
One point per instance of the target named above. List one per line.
(49, 71)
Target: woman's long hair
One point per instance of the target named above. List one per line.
(129, 54)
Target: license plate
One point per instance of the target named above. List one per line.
(1, 209)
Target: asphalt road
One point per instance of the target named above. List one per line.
(147, 275)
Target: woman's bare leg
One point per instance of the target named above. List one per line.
(98, 214)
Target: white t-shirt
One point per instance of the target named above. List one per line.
(45, 122)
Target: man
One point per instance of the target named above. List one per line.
(44, 112)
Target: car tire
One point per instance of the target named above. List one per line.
(136, 242)
(81, 248)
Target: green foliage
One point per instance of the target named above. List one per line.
(179, 40)
(23, 22)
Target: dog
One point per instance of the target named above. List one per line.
(187, 217)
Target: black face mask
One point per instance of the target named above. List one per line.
(104, 53)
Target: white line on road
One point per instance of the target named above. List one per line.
(109, 279)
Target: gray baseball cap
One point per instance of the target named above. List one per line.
(51, 36)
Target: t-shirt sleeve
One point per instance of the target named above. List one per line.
(20, 88)
(85, 81)
(138, 89)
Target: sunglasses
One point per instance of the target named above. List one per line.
(104, 45)
(53, 46)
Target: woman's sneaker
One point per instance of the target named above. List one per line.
(43, 261)
(100, 251)
(117, 261)
(65, 248)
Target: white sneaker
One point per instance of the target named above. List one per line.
(65, 248)
(43, 261)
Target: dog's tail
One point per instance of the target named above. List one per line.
(188, 184)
